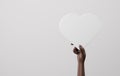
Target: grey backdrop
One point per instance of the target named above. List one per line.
(31, 44)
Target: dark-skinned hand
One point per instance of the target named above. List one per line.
(81, 54)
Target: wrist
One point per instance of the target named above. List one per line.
(80, 62)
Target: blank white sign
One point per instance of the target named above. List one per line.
(80, 29)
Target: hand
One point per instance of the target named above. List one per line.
(81, 55)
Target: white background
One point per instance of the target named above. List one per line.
(31, 44)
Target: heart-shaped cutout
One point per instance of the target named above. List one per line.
(80, 29)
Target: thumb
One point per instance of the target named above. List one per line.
(76, 50)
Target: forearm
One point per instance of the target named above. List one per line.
(81, 69)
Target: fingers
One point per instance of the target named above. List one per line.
(82, 49)
(76, 51)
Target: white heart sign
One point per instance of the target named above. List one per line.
(80, 29)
